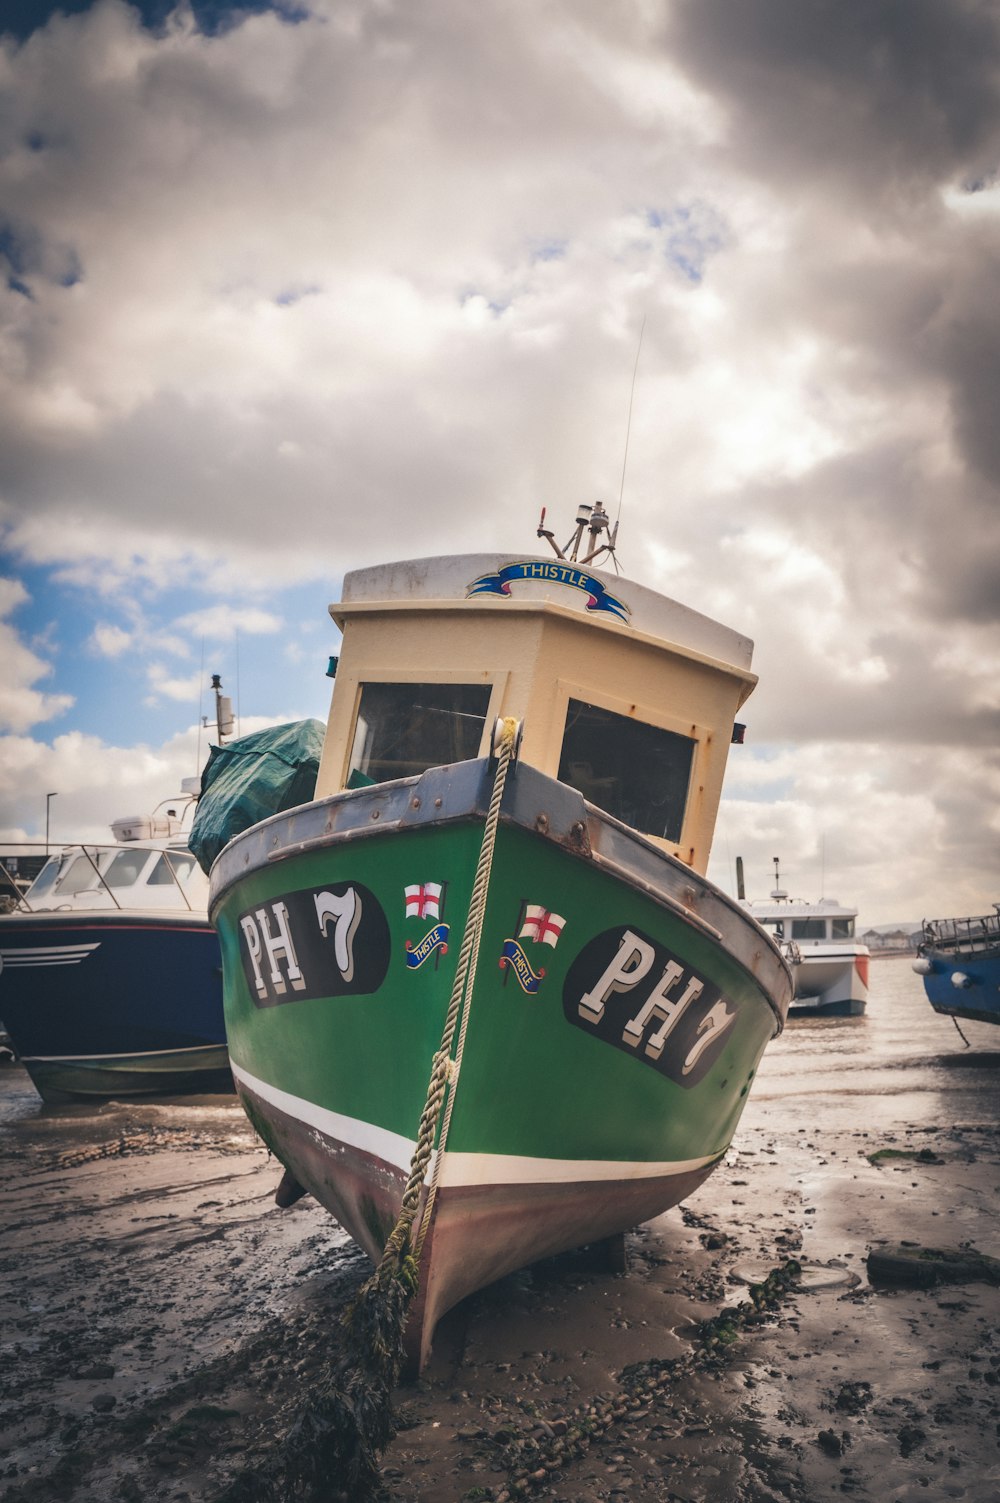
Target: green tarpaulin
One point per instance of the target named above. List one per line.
(253, 778)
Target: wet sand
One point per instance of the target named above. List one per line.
(160, 1318)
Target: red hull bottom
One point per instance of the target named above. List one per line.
(478, 1233)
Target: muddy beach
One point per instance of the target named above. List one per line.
(161, 1318)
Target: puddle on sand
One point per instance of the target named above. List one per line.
(812, 1278)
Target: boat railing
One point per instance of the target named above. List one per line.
(982, 931)
(100, 879)
(11, 890)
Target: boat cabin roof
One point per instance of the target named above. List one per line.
(799, 908)
(543, 581)
(624, 694)
(807, 924)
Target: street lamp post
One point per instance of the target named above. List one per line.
(48, 800)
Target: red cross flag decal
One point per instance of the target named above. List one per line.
(423, 900)
(541, 925)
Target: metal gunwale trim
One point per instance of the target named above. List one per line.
(319, 842)
(667, 900)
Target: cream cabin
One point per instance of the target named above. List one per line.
(624, 694)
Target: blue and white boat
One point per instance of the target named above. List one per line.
(110, 972)
(959, 960)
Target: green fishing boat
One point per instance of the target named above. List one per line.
(499, 887)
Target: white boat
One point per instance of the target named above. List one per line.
(829, 964)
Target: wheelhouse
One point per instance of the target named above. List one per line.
(814, 928)
(624, 694)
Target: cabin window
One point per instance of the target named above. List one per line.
(403, 729)
(45, 879)
(636, 772)
(163, 876)
(813, 928)
(125, 867)
(774, 926)
(81, 875)
(843, 928)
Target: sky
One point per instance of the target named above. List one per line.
(288, 290)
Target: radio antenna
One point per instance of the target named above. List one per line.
(628, 425)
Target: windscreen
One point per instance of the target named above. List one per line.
(636, 772)
(170, 869)
(403, 729)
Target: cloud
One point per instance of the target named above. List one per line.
(95, 781)
(906, 833)
(21, 704)
(223, 622)
(110, 641)
(881, 101)
(188, 688)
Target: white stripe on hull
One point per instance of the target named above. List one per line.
(462, 1169)
(37, 955)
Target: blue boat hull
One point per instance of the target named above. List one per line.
(115, 1004)
(967, 986)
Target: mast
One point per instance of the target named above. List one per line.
(592, 519)
(223, 710)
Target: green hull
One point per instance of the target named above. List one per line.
(602, 1076)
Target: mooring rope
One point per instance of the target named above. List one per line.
(445, 1070)
(468, 959)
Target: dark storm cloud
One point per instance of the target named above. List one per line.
(963, 341)
(881, 97)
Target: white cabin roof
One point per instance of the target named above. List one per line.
(798, 908)
(555, 582)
